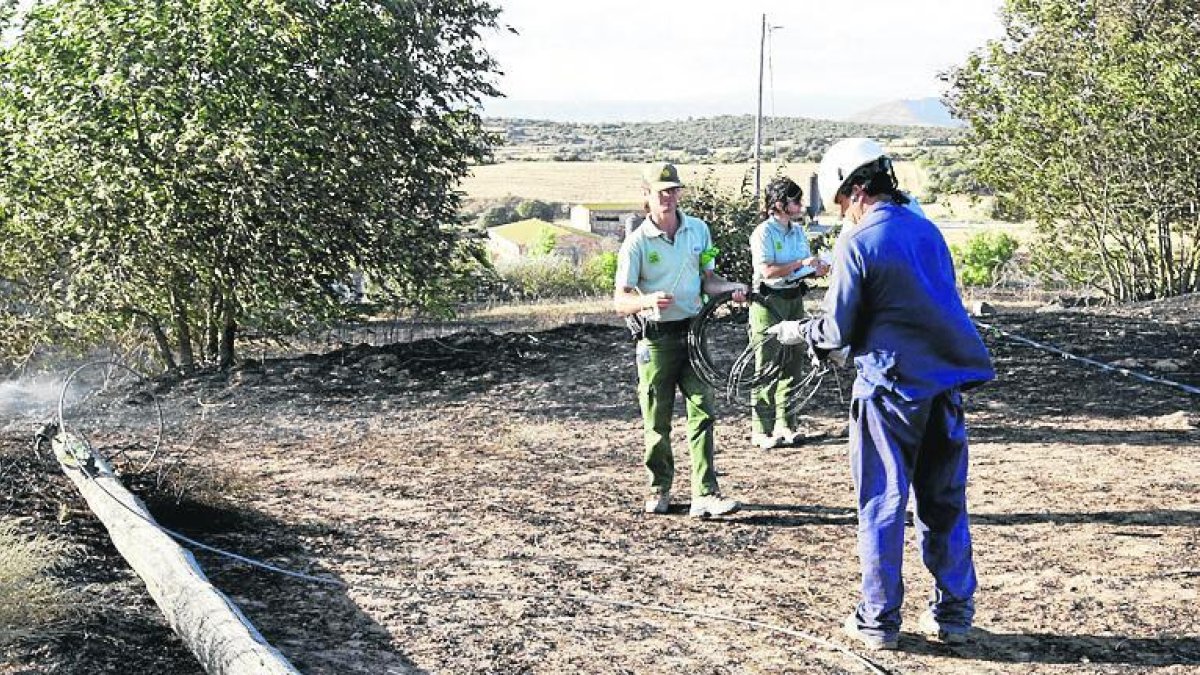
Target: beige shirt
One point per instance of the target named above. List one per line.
(649, 262)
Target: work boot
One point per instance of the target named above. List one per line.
(934, 630)
(789, 436)
(872, 642)
(658, 502)
(713, 505)
(766, 441)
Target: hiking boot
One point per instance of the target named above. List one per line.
(872, 642)
(951, 635)
(766, 441)
(659, 502)
(789, 436)
(713, 505)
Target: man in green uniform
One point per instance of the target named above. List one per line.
(663, 267)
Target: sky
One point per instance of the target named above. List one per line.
(629, 60)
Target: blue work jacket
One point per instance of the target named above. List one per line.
(893, 301)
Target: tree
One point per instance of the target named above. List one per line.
(545, 243)
(536, 208)
(731, 217)
(1086, 117)
(209, 171)
(498, 215)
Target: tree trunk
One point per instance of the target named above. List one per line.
(228, 334)
(183, 331)
(1168, 280)
(164, 346)
(208, 622)
(160, 337)
(212, 325)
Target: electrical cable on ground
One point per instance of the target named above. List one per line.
(1195, 391)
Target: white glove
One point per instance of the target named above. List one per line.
(787, 332)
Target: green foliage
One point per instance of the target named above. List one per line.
(545, 242)
(512, 209)
(551, 277)
(947, 172)
(1086, 117)
(731, 217)
(207, 171)
(601, 271)
(536, 208)
(497, 215)
(981, 259)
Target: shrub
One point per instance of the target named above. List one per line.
(545, 243)
(550, 276)
(601, 271)
(536, 208)
(980, 260)
(30, 599)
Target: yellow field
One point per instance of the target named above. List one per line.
(572, 182)
(578, 182)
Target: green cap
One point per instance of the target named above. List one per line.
(661, 176)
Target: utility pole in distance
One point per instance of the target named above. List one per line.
(758, 119)
(762, 42)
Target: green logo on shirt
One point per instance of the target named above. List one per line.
(654, 257)
(779, 246)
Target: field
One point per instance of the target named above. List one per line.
(478, 494)
(575, 182)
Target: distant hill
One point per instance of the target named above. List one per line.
(928, 112)
(705, 140)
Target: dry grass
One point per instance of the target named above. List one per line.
(559, 308)
(540, 315)
(31, 601)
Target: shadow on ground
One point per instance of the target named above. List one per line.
(319, 629)
(1049, 648)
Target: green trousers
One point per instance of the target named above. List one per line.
(768, 411)
(663, 366)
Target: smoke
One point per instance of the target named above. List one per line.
(107, 404)
(29, 397)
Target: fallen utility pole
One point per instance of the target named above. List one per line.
(212, 627)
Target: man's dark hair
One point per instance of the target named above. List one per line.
(876, 178)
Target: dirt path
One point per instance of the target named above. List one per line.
(470, 490)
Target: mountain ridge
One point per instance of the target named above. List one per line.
(924, 112)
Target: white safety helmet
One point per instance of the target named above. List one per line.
(841, 160)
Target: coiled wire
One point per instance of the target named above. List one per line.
(742, 377)
(741, 380)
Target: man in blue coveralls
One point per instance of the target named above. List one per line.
(893, 307)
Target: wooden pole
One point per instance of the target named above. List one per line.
(762, 43)
(221, 637)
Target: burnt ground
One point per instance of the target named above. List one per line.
(468, 494)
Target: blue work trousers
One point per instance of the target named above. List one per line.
(894, 444)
